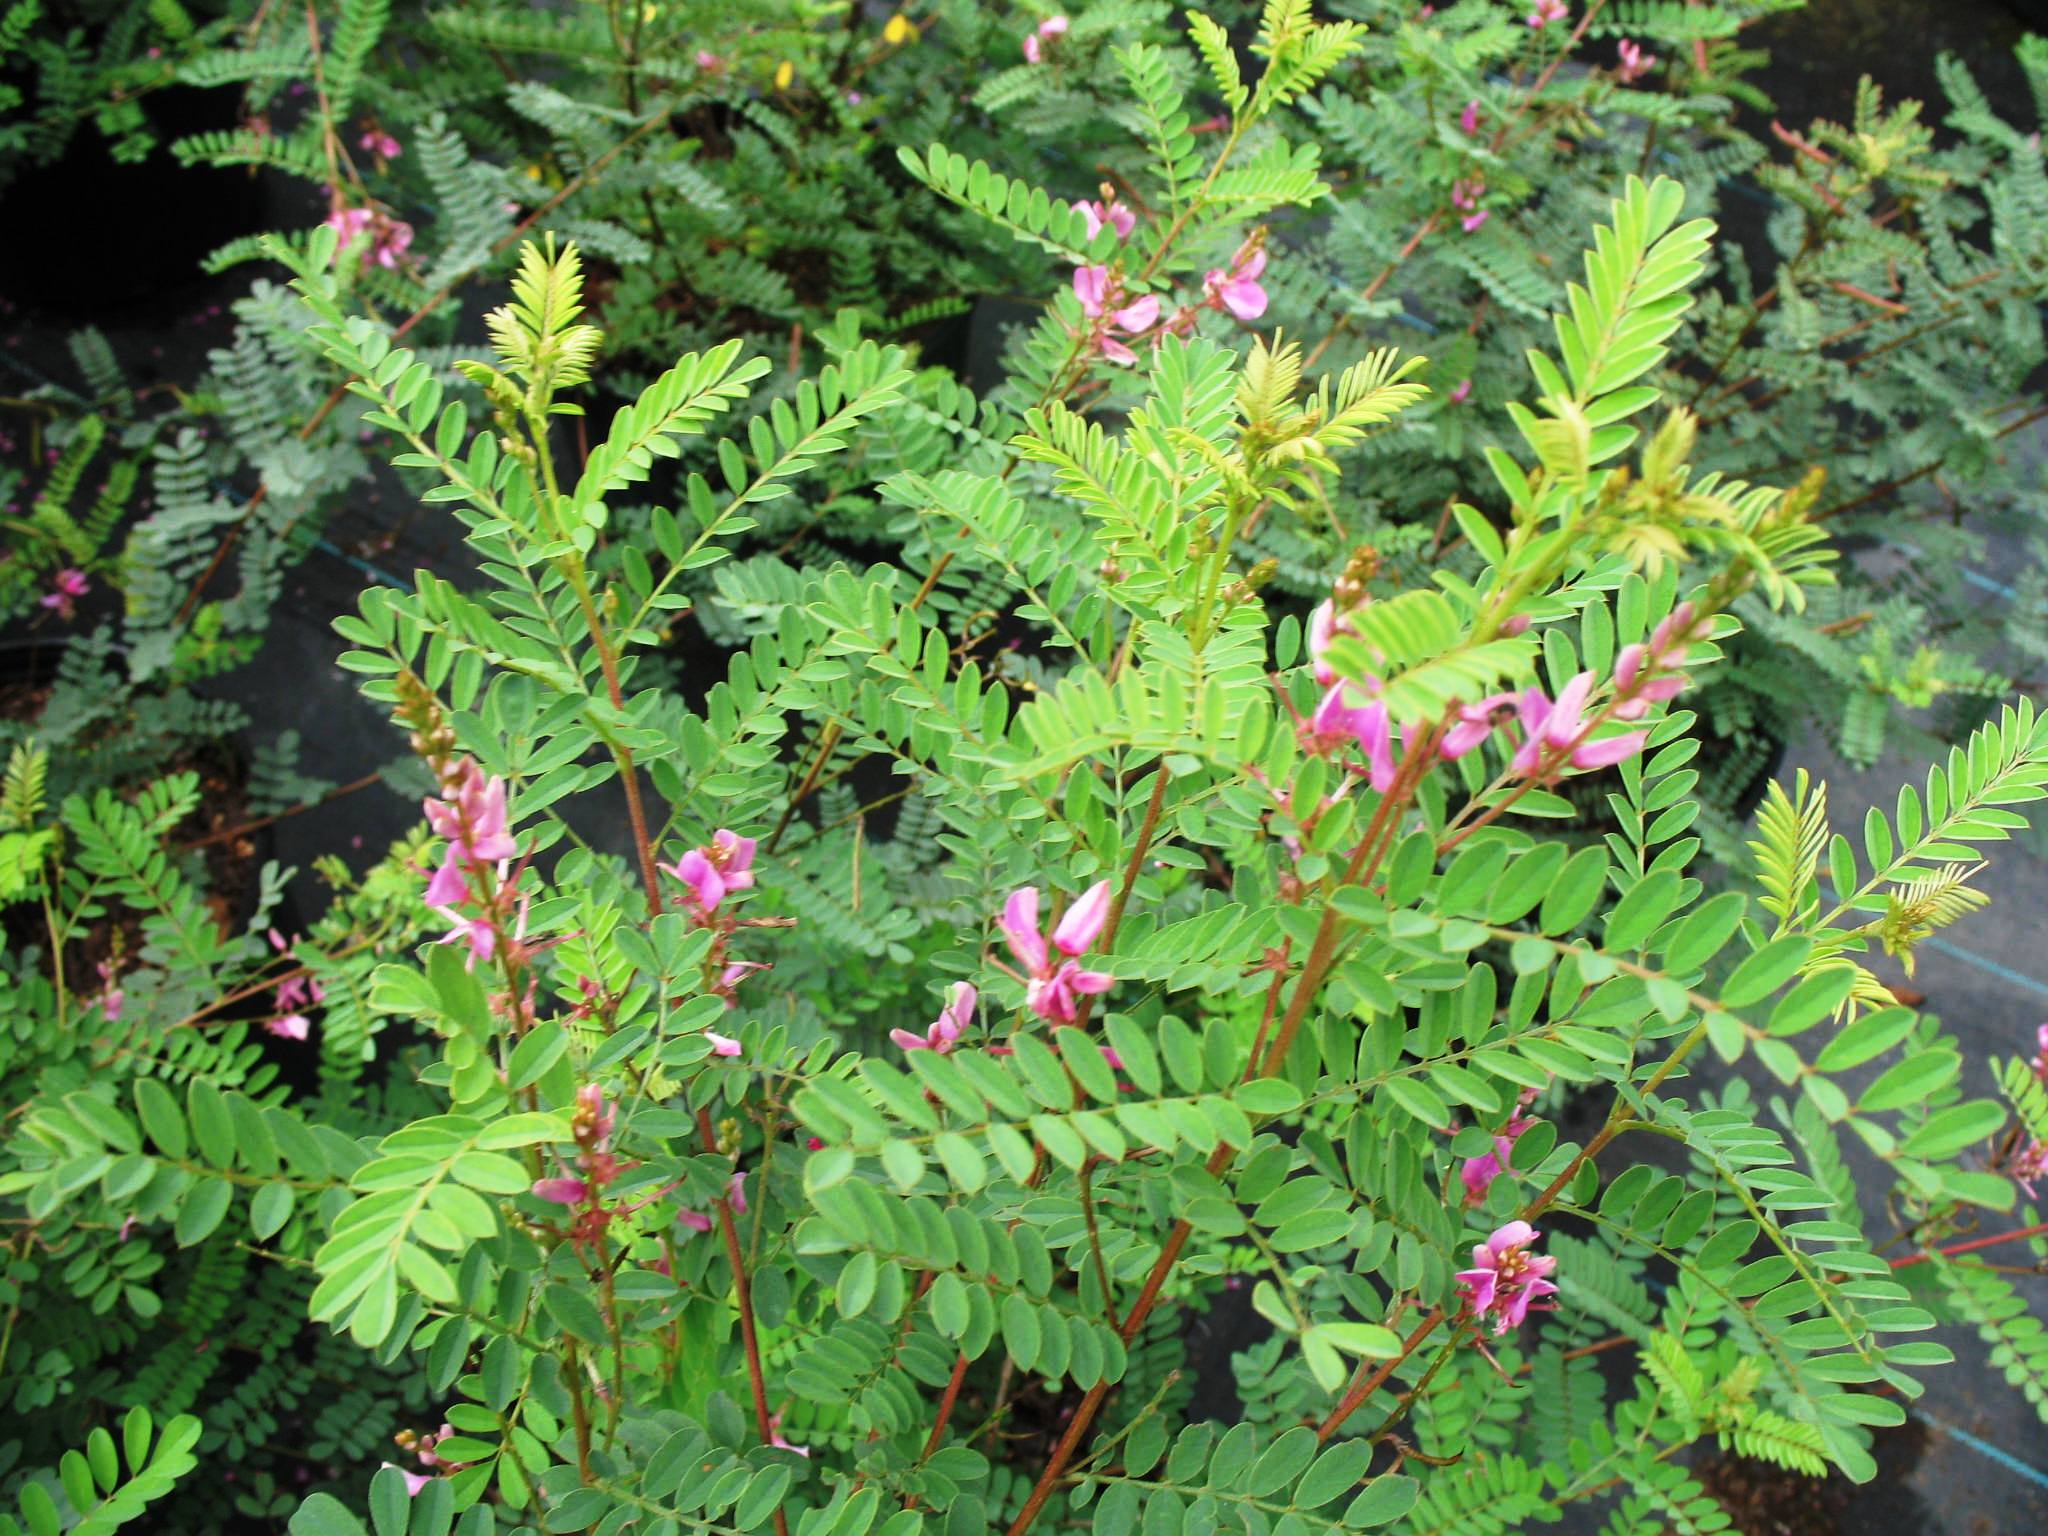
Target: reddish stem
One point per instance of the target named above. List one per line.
(1971, 1246)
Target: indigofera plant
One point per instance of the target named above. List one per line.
(744, 1204)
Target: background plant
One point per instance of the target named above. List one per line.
(1305, 925)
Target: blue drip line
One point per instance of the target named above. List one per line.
(1983, 963)
(1985, 1448)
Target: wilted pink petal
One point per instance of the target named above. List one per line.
(561, 1191)
(696, 1221)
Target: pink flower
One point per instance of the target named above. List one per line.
(1479, 1172)
(1324, 626)
(2040, 1045)
(2029, 1165)
(1563, 724)
(471, 816)
(943, 1031)
(380, 143)
(1465, 194)
(775, 1420)
(730, 978)
(290, 1026)
(476, 932)
(562, 1191)
(1112, 213)
(722, 1045)
(595, 1119)
(1506, 1279)
(713, 872)
(1036, 39)
(1544, 12)
(696, 1221)
(1472, 222)
(736, 1192)
(1468, 120)
(389, 238)
(1634, 62)
(1052, 990)
(1238, 290)
(706, 59)
(414, 1481)
(814, 1143)
(1476, 722)
(66, 587)
(1460, 392)
(1098, 291)
(112, 999)
(1341, 717)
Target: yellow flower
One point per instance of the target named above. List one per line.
(785, 73)
(899, 30)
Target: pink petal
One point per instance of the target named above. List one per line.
(1091, 285)
(561, 1191)
(447, 888)
(722, 1045)
(1082, 924)
(1019, 923)
(1243, 297)
(1609, 750)
(1141, 316)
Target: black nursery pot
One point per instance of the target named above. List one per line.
(111, 244)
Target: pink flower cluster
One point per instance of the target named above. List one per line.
(1643, 675)
(2029, 1164)
(735, 1196)
(1506, 1279)
(470, 815)
(380, 144)
(592, 1125)
(1468, 120)
(1053, 987)
(1101, 293)
(713, 872)
(952, 1022)
(1112, 213)
(66, 588)
(1478, 1173)
(1465, 195)
(389, 238)
(424, 1449)
(1635, 63)
(112, 999)
(1237, 288)
(1036, 39)
(295, 994)
(1544, 12)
